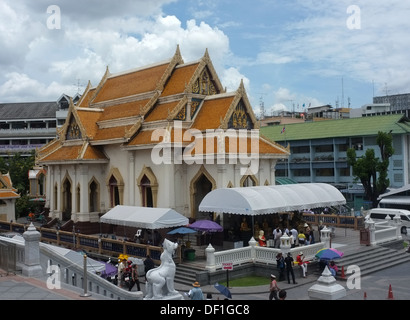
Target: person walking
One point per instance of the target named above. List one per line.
(273, 288)
(134, 278)
(300, 259)
(120, 272)
(289, 267)
(196, 292)
(148, 265)
(294, 233)
(277, 233)
(280, 263)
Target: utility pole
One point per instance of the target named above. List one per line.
(262, 106)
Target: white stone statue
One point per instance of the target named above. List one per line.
(160, 280)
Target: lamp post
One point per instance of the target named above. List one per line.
(85, 281)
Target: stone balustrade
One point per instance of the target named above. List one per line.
(384, 231)
(254, 253)
(37, 259)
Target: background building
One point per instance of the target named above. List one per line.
(25, 126)
(319, 150)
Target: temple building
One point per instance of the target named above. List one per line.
(8, 197)
(163, 135)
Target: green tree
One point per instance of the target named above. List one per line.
(371, 170)
(18, 167)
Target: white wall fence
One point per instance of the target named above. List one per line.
(66, 273)
(384, 231)
(254, 253)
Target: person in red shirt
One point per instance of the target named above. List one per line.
(300, 259)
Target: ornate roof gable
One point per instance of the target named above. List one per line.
(72, 128)
(205, 80)
(240, 114)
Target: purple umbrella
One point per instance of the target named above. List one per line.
(206, 225)
(109, 271)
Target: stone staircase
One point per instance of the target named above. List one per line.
(186, 273)
(371, 259)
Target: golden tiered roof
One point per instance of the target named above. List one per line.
(126, 108)
(6, 187)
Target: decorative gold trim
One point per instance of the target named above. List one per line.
(120, 183)
(62, 199)
(177, 109)
(85, 93)
(147, 171)
(252, 177)
(100, 86)
(240, 95)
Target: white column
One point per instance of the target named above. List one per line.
(57, 176)
(82, 216)
(131, 179)
(397, 223)
(74, 194)
(372, 229)
(32, 267)
(325, 236)
(210, 258)
(50, 188)
(252, 243)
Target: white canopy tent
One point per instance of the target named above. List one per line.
(271, 199)
(143, 217)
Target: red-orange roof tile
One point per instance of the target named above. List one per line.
(160, 111)
(179, 79)
(124, 85)
(111, 133)
(124, 110)
(211, 113)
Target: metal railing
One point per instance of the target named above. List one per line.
(334, 220)
(61, 272)
(89, 243)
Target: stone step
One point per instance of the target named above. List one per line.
(372, 259)
(186, 273)
(365, 257)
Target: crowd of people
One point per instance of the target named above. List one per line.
(304, 236)
(285, 265)
(127, 272)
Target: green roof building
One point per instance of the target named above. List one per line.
(318, 149)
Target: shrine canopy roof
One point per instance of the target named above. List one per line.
(271, 199)
(143, 217)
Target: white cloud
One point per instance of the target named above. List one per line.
(101, 35)
(378, 51)
(20, 87)
(285, 99)
(231, 79)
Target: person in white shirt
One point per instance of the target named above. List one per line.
(277, 233)
(294, 233)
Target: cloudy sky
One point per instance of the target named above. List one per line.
(288, 52)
